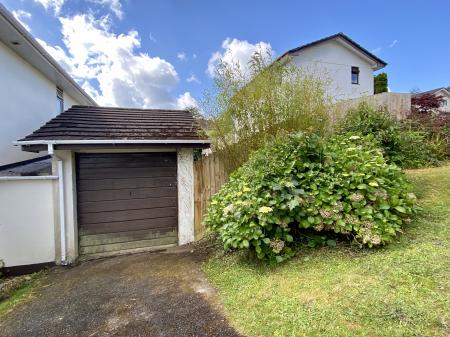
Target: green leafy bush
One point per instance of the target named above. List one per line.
(301, 183)
(402, 145)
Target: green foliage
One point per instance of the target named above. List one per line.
(402, 145)
(304, 183)
(249, 110)
(380, 83)
(398, 291)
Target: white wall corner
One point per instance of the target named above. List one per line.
(185, 180)
(70, 202)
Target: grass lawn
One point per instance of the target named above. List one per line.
(400, 290)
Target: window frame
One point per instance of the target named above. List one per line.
(59, 100)
(354, 71)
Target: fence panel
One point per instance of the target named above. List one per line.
(209, 176)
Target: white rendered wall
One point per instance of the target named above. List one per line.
(185, 174)
(28, 101)
(70, 206)
(332, 62)
(27, 221)
(445, 97)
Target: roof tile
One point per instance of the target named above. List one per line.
(92, 122)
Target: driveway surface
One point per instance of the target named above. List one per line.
(147, 294)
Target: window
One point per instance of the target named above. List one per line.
(355, 75)
(59, 100)
(444, 102)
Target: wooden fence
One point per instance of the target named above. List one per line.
(209, 176)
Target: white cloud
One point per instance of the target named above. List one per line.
(193, 78)
(236, 52)
(111, 70)
(393, 43)
(376, 50)
(186, 101)
(182, 56)
(20, 15)
(114, 5)
(152, 38)
(194, 56)
(54, 5)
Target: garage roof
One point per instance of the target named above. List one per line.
(101, 125)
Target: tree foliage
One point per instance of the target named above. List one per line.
(426, 103)
(402, 143)
(248, 110)
(380, 83)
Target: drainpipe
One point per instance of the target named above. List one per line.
(62, 208)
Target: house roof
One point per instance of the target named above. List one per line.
(433, 91)
(379, 63)
(18, 39)
(101, 125)
(31, 167)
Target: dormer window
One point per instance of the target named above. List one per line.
(59, 100)
(355, 75)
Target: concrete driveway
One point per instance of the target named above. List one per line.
(148, 294)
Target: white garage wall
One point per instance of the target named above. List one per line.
(27, 222)
(28, 101)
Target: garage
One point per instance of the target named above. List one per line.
(123, 179)
(126, 201)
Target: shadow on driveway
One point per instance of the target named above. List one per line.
(148, 294)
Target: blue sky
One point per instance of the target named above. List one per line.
(176, 39)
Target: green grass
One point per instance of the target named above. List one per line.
(402, 289)
(21, 294)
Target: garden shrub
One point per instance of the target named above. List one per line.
(402, 145)
(304, 183)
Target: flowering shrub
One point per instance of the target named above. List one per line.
(302, 183)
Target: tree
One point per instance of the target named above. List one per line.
(380, 83)
(248, 110)
(426, 103)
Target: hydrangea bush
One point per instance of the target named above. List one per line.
(302, 183)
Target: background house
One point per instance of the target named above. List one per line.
(444, 93)
(344, 65)
(33, 87)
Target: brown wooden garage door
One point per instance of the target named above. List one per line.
(126, 201)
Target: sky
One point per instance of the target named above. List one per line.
(162, 53)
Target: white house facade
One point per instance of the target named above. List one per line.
(33, 87)
(344, 66)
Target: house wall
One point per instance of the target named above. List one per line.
(332, 62)
(28, 101)
(70, 206)
(27, 220)
(185, 174)
(445, 97)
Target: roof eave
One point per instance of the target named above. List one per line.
(111, 141)
(379, 62)
(31, 41)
